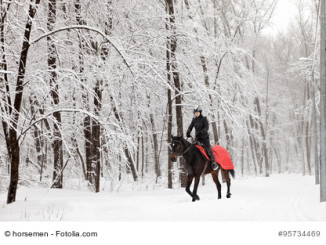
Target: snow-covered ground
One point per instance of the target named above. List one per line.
(287, 197)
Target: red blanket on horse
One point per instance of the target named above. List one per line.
(221, 155)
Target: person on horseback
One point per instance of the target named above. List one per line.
(201, 126)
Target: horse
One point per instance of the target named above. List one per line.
(196, 165)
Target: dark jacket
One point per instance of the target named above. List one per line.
(201, 125)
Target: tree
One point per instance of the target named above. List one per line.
(13, 139)
(323, 103)
(169, 79)
(57, 142)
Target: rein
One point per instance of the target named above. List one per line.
(187, 149)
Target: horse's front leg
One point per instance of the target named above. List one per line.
(189, 181)
(194, 193)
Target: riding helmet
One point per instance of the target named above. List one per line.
(198, 109)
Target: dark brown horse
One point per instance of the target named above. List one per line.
(196, 165)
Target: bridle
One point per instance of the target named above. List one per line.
(186, 149)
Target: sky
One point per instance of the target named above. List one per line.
(284, 13)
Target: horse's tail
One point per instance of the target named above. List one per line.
(232, 173)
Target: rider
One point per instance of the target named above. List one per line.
(201, 125)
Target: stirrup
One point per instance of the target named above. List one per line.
(214, 166)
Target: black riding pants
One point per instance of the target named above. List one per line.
(206, 143)
(208, 147)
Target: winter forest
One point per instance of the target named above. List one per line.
(91, 92)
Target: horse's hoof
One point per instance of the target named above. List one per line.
(194, 199)
(197, 198)
(219, 198)
(228, 195)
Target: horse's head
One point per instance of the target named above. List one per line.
(177, 147)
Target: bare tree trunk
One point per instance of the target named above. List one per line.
(44, 158)
(155, 145)
(96, 136)
(215, 133)
(88, 150)
(322, 103)
(57, 142)
(228, 137)
(308, 146)
(169, 109)
(138, 152)
(81, 160)
(252, 145)
(314, 121)
(263, 133)
(176, 79)
(307, 133)
(257, 147)
(87, 120)
(301, 145)
(14, 147)
(4, 85)
(120, 170)
(142, 156)
(278, 158)
(170, 163)
(146, 155)
(39, 141)
(248, 161)
(302, 132)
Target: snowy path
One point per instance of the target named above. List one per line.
(278, 198)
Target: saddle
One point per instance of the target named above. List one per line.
(221, 155)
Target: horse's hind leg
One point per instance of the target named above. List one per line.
(217, 182)
(228, 182)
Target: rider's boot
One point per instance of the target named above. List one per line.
(211, 156)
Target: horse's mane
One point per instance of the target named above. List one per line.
(186, 142)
